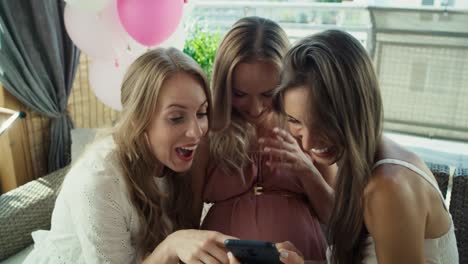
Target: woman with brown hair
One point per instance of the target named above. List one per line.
(388, 207)
(125, 199)
(252, 200)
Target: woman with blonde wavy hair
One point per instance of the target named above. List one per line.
(124, 200)
(252, 197)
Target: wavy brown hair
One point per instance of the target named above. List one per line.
(344, 92)
(250, 39)
(160, 211)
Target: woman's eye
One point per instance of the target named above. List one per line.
(293, 120)
(268, 94)
(202, 115)
(238, 94)
(176, 119)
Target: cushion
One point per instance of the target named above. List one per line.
(26, 209)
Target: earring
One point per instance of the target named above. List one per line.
(147, 140)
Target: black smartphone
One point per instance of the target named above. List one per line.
(253, 252)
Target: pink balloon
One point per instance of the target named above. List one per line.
(100, 35)
(150, 22)
(176, 40)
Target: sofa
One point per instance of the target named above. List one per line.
(26, 209)
(29, 207)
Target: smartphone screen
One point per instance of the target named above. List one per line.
(253, 252)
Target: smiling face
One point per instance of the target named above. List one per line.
(306, 126)
(252, 88)
(179, 122)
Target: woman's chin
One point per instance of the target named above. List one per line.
(179, 167)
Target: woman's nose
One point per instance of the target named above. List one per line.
(195, 130)
(255, 108)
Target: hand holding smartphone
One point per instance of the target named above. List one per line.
(253, 252)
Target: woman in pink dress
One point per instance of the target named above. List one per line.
(252, 197)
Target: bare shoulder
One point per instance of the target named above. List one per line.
(392, 196)
(393, 215)
(386, 186)
(393, 150)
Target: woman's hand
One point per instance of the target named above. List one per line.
(200, 246)
(232, 259)
(289, 254)
(287, 154)
(192, 246)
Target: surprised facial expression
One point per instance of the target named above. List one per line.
(180, 121)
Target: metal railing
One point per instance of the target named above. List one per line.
(298, 19)
(8, 122)
(419, 53)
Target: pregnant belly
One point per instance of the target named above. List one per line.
(271, 218)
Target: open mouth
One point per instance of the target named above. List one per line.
(323, 152)
(185, 153)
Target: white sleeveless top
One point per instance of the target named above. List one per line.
(441, 250)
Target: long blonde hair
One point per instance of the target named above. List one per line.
(140, 89)
(250, 39)
(344, 92)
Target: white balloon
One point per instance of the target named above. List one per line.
(100, 34)
(89, 5)
(106, 77)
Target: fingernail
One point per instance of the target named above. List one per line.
(284, 254)
(261, 140)
(266, 149)
(275, 129)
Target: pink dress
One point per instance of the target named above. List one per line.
(277, 211)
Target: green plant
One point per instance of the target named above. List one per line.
(201, 45)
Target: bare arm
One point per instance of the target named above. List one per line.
(328, 172)
(395, 217)
(319, 192)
